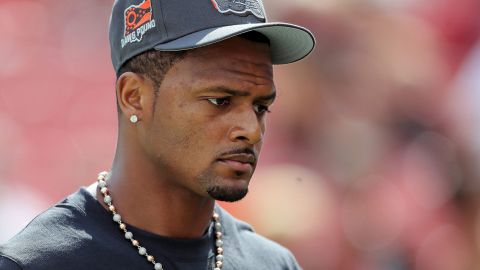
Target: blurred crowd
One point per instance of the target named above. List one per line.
(370, 160)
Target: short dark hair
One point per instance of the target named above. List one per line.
(155, 64)
(152, 64)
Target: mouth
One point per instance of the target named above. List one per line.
(239, 162)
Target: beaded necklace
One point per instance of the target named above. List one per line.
(142, 251)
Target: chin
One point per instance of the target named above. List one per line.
(227, 193)
(225, 185)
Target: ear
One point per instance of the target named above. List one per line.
(132, 94)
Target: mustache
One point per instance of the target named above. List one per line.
(242, 150)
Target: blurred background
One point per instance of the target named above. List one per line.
(372, 150)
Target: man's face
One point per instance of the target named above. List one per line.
(207, 128)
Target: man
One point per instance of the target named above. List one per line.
(194, 83)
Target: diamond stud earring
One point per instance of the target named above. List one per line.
(133, 119)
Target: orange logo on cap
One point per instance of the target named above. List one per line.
(138, 20)
(136, 16)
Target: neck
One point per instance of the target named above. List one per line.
(146, 200)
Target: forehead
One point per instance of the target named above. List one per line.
(235, 57)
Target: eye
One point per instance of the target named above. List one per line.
(220, 101)
(261, 109)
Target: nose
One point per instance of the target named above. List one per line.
(247, 127)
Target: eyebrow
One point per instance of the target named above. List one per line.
(240, 93)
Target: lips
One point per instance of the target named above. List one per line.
(239, 162)
(243, 158)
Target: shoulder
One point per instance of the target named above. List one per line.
(58, 234)
(8, 264)
(251, 250)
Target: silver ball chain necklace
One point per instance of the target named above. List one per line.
(142, 251)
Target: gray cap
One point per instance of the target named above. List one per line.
(137, 26)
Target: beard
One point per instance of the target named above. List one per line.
(227, 194)
(212, 184)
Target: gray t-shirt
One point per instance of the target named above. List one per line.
(79, 234)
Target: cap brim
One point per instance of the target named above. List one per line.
(288, 42)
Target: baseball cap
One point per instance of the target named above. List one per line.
(137, 26)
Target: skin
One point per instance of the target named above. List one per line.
(192, 142)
